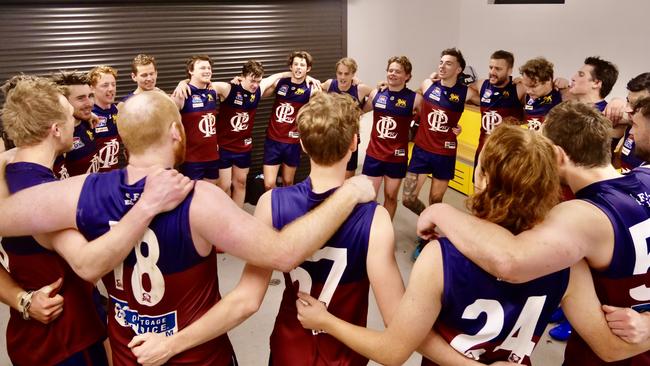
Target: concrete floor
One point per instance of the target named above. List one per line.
(251, 338)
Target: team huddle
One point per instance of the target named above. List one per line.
(103, 239)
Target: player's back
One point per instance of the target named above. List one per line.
(164, 284)
(491, 320)
(626, 202)
(335, 274)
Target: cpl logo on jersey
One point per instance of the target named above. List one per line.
(534, 124)
(490, 121)
(437, 120)
(207, 125)
(284, 113)
(385, 127)
(107, 155)
(239, 122)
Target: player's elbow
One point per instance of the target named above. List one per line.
(507, 269)
(87, 273)
(611, 354)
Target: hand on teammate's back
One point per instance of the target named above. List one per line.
(363, 186)
(165, 189)
(630, 325)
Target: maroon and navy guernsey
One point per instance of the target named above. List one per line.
(491, 320)
(30, 342)
(110, 149)
(440, 112)
(289, 98)
(353, 91)
(535, 110)
(163, 285)
(629, 160)
(82, 158)
(199, 115)
(236, 117)
(391, 119)
(626, 202)
(496, 105)
(336, 274)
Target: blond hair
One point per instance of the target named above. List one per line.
(145, 118)
(96, 73)
(327, 125)
(32, 106)
(347, 62)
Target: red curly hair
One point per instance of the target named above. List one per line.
(522, 179)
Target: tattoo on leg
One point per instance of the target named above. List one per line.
(410, 199)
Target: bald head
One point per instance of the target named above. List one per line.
(145, 119)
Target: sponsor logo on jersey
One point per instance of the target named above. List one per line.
(437, 120)
(454, 98)
(294, 134)
(166, 324)
(131, 198)
(450, 145)
(490, 120)
(643, 198)
(283, 90)
(385, 128)
(435, 94)
(102, 124)
(248, 141)
(197, 102)
(77, 143)
(239, 99)
(486, 96)
(381, 102)
(400, 152)
(284, 113)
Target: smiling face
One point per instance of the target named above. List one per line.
(396, 76)
(82, 100)
(201, 73)
(449, 67)
(104, 90)
(145, 77)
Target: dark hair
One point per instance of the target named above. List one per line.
(253, 68)
(189, 64)
(642, 106)
(68, 78)
(504, 55)
(639, 83)
(301, 54)
(142, 60)
(604, 71)
(457, 54)
(582, 131)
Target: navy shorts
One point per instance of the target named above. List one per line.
(94, 355)
(200, 170)
(377, 168)
(276, 153)
(228, 158)
(441, 167)
(353, 163)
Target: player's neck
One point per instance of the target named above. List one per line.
(449, 82)
(298, 81)
(579, 177)
(140, 165)
(43, 153)
(589, 98)
(324, 178)
(396, 88)
(138, 90)
(199, 84)
(102, 105)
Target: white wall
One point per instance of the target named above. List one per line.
(565, 34)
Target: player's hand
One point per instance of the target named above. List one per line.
(615, 110)
(457, 130)
(517, 80)
(355, 80)
(182, 90)
(561, 83)
(434, 76)
(629, 325)
(237, 80)
(312, 313)
(47, 304)
(151, 349)
(164, 189)
(94, 120)
(382, 85)
(426, 228)
(364, 190)
(315, 84)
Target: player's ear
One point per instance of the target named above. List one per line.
(353, 145)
